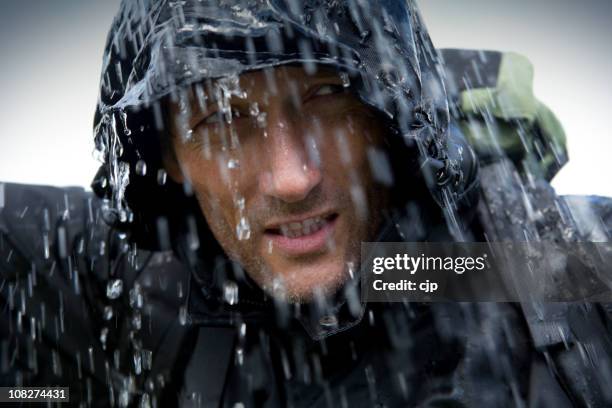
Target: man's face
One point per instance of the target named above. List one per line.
(286, 187)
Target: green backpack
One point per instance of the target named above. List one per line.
(493, 103)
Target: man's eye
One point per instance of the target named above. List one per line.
(217, 117)
(329, 89)
(211, 119)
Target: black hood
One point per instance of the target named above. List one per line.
(156, 49)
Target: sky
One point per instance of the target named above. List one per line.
(52, 50)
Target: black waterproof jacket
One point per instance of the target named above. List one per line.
(121, 327)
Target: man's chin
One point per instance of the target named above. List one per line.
(303, 284)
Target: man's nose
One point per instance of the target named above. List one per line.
(290, 174)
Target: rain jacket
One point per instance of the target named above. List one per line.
(93, 299)
(120, 327)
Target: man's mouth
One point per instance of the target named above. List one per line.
(301, 237)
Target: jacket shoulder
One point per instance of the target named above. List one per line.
(38, 222)
(592, 216)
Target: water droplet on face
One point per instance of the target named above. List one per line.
(108, 312)
(114, 288)
(254, 109)
(240, 203)
(270, 246)
(230, 292)
(141, 168)
(161, 177)
(351, 269)
(243, 229)
(262, 120)
(233, 164)
(278, 288)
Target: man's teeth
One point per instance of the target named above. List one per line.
(306, 227)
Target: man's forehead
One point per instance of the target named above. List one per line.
(275, 79)
(260, 84)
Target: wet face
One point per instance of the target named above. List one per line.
(278, 162)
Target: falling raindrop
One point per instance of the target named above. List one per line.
(2, 199)
(114, 288)
(329, 321)
(147, 359)
(91, 359)
(161, 177)
(61, 242)
(136, 297)
(124, 398)
(183, 315)
(239, 356)
(145, 401)
(141, 168)
(230, 292)
(137, 321)
(346, 82)
(137, 363)
(103, 337)
(108, 312)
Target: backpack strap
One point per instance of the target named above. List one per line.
(574, 338)
(206, 371)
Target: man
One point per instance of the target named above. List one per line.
(253, 148)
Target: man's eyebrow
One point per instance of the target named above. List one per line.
(210, 106)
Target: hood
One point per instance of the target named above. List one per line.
(156, 49)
